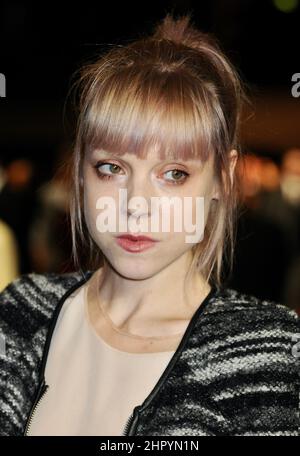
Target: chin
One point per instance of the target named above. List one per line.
(134, 268)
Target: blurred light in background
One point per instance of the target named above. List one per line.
(286, 6)
(290, 183)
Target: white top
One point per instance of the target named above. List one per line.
(93, 386)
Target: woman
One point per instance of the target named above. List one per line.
(145, 339)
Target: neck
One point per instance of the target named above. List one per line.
(164, 297)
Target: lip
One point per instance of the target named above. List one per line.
(132, 237)
(135, 244)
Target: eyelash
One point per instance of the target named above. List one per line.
(103, 176)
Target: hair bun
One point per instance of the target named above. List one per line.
(181, 31)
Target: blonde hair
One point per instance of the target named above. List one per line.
(177, 92)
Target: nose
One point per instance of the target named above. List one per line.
(139, 193)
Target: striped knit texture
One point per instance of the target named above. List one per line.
(238, 373)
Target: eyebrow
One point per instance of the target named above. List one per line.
(112, 154)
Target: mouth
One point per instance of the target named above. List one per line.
(135, 244)
(132, 237)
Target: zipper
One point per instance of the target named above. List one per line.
(42, 389)
(129, 427)
(41, 393)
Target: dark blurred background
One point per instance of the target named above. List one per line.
(43, 43)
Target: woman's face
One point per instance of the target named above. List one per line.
(146, 179)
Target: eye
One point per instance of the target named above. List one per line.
(177, 176)
(110, 166)
(177, 173)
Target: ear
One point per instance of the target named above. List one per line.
(233, 156)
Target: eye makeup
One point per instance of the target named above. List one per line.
(106, 177)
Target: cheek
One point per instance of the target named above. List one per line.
(90, 212)
(205, 191)
(196, 207)
(96, 210)
(91, 194)
(195, 214)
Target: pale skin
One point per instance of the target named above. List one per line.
(143, 293)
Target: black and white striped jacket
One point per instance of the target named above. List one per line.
(235, 371)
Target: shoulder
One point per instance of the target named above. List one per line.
(253, 350)
(250, 311)
(29, 300)
(249, 331)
